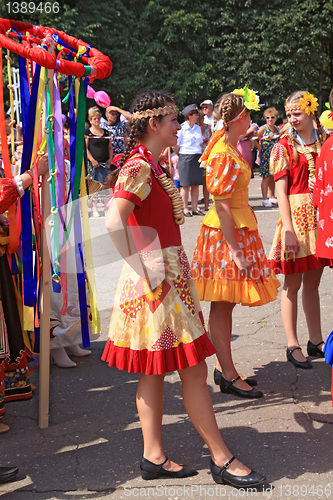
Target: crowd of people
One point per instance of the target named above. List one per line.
(152, 165)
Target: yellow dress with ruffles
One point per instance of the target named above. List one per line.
(216, 276)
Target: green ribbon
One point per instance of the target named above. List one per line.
(50, 140)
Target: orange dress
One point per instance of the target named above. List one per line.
(216, 276)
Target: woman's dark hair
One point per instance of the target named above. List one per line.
(138, 127)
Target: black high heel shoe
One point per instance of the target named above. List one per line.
(227, 388)
(218, 375)
(152, 471)
(222, 476)
(306, 365)
(313, 349)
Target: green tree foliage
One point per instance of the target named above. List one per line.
(199, 48)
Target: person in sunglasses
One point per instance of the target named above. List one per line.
(269, 135)
(189, 150)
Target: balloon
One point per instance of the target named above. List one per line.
(325, 120)
(64, 118)
(102, 99)
(90, 92)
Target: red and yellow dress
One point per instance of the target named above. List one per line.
(216, 276)
(161, 330)
(303, 214)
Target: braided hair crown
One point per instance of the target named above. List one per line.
(138, 127)
(229, 106)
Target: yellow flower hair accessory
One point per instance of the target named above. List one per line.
(308, 103)
(251, 99)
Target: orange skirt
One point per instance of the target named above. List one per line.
(217, 278)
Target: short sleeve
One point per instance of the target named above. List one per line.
(279, 163)
(222, 173)
(134, 182)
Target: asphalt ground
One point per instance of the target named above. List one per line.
(93, 446)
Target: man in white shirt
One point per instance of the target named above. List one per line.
(207, 109)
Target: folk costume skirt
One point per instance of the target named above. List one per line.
(216, 276)
(14, 372)
(160, 330)
(304, 221)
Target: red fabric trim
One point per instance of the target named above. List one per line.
(301, 265)
(101, 63)
(158, 362)
(126, 195)
(280, 174)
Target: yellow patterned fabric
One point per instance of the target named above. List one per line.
(227, 177)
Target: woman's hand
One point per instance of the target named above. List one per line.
(95, 163)
(243, 264)
(43, 165)
(291, 243)
(156, 267)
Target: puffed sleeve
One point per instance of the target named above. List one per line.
(279, 161)
(134, 182)
(222, 173)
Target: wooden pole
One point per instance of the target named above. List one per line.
(44, 359)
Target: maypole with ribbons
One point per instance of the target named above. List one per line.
(43, 55)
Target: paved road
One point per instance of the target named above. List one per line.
(93, 446)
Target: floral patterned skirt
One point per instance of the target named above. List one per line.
(304, 223)
(161, 330)
(216, 276)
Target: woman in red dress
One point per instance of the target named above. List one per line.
(156, 324)
(293, 251)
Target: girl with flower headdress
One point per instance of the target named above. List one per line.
(229, 265)
(293, 251)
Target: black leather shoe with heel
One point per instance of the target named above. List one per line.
(152, 471)
(313, 349)
(228, 388)
(222, 476)
(306, 365)
(218, 375)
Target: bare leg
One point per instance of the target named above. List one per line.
(264, 187)
(199, 408)
(194, 197)
(149, 402)
(220, 323)
(271, 186)
(311, 305)
(292, 284)
(184, 190)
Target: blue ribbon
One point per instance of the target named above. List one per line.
(28, 110)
